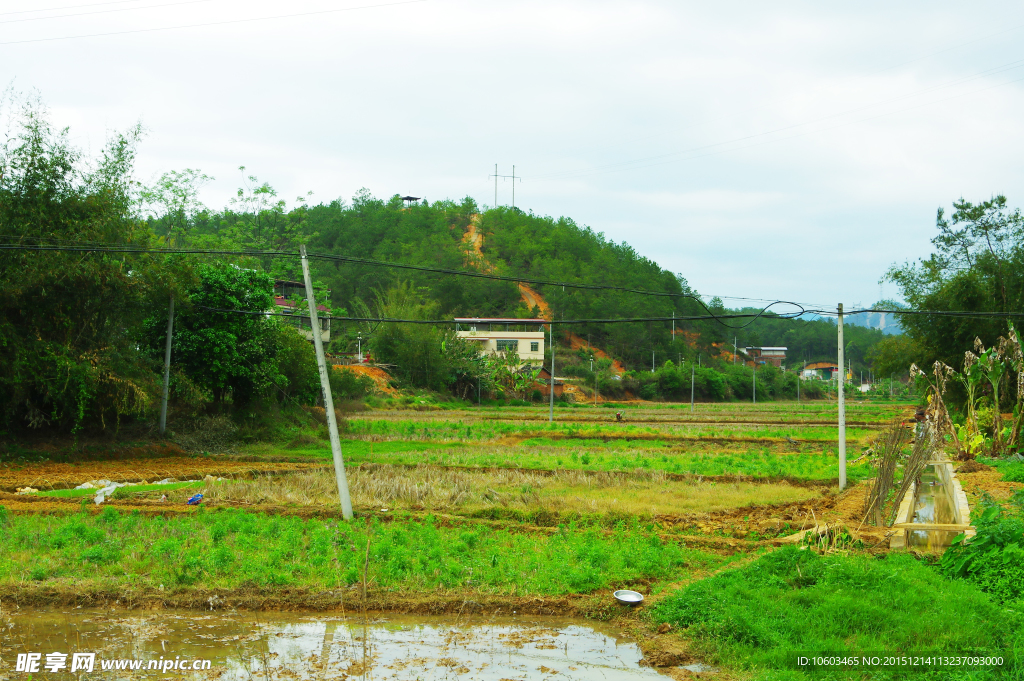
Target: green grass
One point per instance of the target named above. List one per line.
(231, 549)
(1012, 471)
(120, 492)
(760, 617)
(436, 429)
(540, 454)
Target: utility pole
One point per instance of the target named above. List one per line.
(551, 388)
(325, 383)
(673, 326)
(167, 368)
(512, 177)
(735, 349)
(495, 176)
(842, 405)
(693, 371)
(652, 361)
(755, 381)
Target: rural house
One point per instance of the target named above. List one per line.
(290, 299)
(495, 334)
(767, 355)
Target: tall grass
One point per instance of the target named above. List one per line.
(232, 549)
(571, 493)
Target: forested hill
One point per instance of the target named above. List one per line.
(514, 243)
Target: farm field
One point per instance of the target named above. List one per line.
(493, 507)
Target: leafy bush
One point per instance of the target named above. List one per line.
(994, 559)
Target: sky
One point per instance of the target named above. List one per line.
(779, 151)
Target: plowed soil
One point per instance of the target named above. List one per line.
(48, 476)
(987, 481)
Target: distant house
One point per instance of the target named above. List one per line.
(767, 355)
(543, 383)
(825, 371)
(286, 301)
(497, 334)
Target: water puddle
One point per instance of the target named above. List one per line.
(248, 646)
(933, 505)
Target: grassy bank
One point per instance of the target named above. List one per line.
(790, 602)
(235, 549)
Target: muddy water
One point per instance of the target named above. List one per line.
(322, 646)
(933, 505)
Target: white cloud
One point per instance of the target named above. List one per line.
(789, 151)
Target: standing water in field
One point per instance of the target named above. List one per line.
(932, 505)
(244, 645)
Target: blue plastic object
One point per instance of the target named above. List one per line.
(195, 500)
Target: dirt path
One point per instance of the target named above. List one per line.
(530, 297)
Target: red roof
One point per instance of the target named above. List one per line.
(281, 301)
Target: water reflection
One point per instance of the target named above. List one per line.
(243, 645)
(933, 505)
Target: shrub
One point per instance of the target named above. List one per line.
(994, 559)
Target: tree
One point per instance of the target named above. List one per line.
(68, 321)
(893, 355)
(977, 266)
(232, 355)
(174, 201)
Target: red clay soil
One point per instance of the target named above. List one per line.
(381, 379)
(530, 297)
(47, 476)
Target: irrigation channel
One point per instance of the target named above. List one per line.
(937, 504)
(318, 646)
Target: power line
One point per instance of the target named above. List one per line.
(379, 263)
(54, 9)
(100, 11)
(212, 23)
(92, 247)
(436, 322)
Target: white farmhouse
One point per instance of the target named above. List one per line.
(497, 334)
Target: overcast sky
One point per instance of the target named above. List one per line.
(761, 150)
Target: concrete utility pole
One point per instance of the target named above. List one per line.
(652, 361)
(842, 405)
(735, 349)
(325, 383)
(167, 368)
(693, 371)
(551, 388)
(755, 381)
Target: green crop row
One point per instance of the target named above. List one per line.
(231, 549)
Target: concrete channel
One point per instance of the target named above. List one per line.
(933, 511)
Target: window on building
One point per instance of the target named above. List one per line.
(535, 346)
(504, 345)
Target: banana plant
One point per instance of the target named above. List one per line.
(993, 369)
(1015, 358)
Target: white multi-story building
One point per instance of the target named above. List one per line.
(497, 334)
